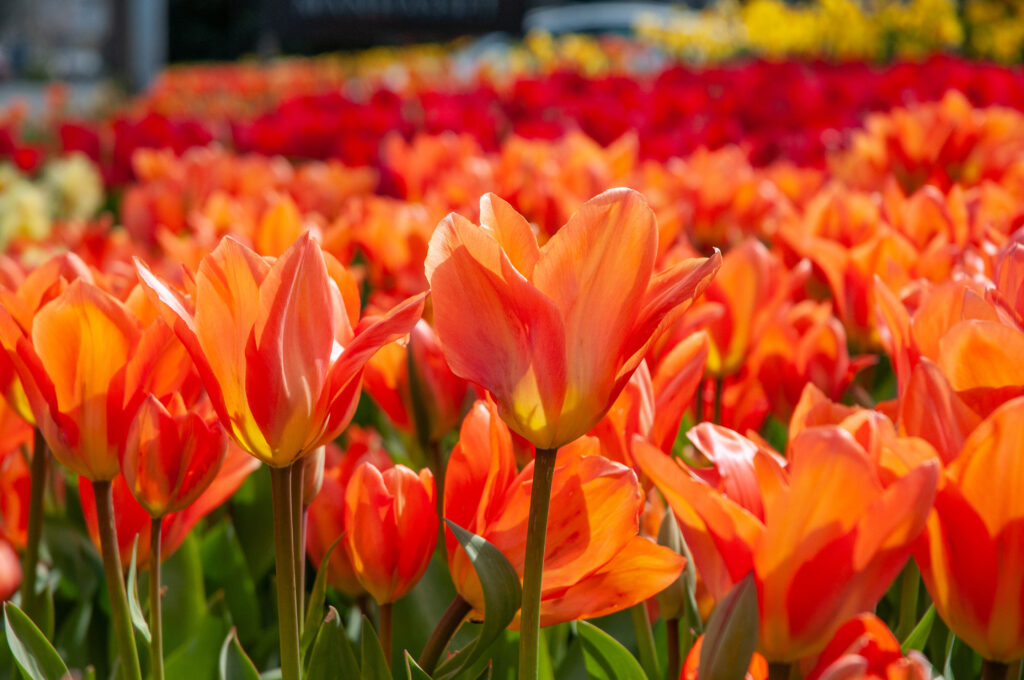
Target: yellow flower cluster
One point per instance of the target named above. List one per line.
(837, 29)
(995, 29)
(69, 188)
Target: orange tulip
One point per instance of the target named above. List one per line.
(84, 364)
(391, 528)
(22, 298)
(275, 344)
(595, 562)
(440, 391)
(972, 552)
(134, 520)
(758, 669)
(803, 343)
(826, 544)
(15, 484)
(865, 649)
(751, 285)
(327, 511)
(554, 333)
(171, 455)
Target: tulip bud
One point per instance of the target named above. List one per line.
(312, 474)
(391, 525)
(171, 455)
(672, 600)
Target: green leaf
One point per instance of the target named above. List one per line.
(374, 664)
(184, 607)
(234, 663)
(225, 568)
(605, 657)
(90, 673)
(138, 618)
(315, 609)
(332, 656)
(33, 653)
(919, 636)
(503, 596)
(198, 658)
(413, 670)
(731, 634)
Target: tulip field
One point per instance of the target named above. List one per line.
(583, 365)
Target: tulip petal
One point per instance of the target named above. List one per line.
(596, 270)
(640, 570)
(288, 352)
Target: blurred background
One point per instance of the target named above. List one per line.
(84, 42)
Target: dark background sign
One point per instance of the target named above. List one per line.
(310, 25)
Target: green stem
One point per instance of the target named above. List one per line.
(781, 671)
(284, 546)
(672, 642)
(719, 388)
(35, 526)
(155, 595)
(115, 582)
(698, 404)
(909, 590)
(386, 611)
(994, 670)
(645, 640)
(298, 552)
(533, 570)
(446, 627)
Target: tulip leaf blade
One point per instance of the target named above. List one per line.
(33, 653)
(730, 637)
(235, 664)
(605, 657)
(134, 608)
(918, 637)
(374, 664)
(331, 655)
(317, 596)
(503, 594)
(413, 670)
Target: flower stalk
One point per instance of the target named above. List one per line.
(284, 548)
(155, 595)
(35, 525)
(533, 570)
(127, 650)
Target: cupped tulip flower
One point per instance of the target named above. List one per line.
(595, 562)
(171, 455)
(750, 287)
(865, 649)
(22, 297)
(555, 332)
(326, 520)
(403, 375)
(828, 540)
(84, 364)
(275, 344)
(133, 519)
(972, 551)
(391, 528)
